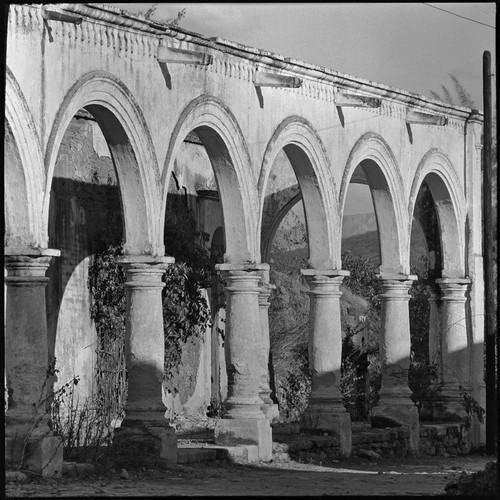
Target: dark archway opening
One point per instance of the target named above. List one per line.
(86, 225)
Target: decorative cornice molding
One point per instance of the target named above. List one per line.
(131, 28)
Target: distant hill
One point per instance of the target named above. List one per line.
(363, 245)
(359, 237)
(355, 224)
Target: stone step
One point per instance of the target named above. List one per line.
(192, 455)
(190, 452)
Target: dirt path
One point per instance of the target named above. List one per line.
(410, 476)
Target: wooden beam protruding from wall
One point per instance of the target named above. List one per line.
(171, 55)
(265, 79)
(346, 100)
(416, 117)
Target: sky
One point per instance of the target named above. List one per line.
(410, 46)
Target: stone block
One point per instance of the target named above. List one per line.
(244, 454)
(372, 455)
(414, 440)
(69, 469)
(45, 456)
(15, 477)
(235, 432)
(169, 450)
(300, 445)
(85, 469)
(13, 451)
(192, 455)
(336, 423)
(145, 444)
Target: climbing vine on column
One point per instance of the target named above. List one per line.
(185, 311)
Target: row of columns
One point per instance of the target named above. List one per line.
(249, 407)
(449, 345)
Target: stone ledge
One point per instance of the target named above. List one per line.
(75, 469)
(192, 455)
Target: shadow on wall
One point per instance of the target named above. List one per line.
(83, 219)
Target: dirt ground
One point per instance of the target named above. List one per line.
(401, 477)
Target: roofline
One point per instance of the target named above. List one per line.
(127, 20)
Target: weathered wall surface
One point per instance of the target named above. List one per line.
(85, 209)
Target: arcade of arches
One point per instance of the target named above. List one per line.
(157, 104)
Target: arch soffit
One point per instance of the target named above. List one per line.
(437, 162)
(23, 128)
(104, 89)
(210, 112)
(372, 146)
(273, 227)
(300, 132)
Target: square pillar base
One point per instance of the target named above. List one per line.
(145, 444)
(449, 406)
(42, 455)
(403, 415)
(234, 432)
(337, 423)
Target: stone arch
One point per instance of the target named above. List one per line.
(437, 171)
(25, 177)
(269, 236)
(221, 136)
(309, 159)
(375, 157)
(132, 150)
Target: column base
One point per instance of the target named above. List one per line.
(42, 455)
(398, 413)
(448, 404)
(335, 421)
(144, 444)
(234, 432)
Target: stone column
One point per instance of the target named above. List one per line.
(455, 347)
(269, 408)
(145, 429)
(243, 422)
(326, 410)
(27, 362)
(395, 407)
(435, 350)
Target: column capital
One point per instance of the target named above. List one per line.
(28, 267)
(242, 277)
(324, 282)
(144, 271)
(396, 277)
(395, 286)
(145, 261)
(328, 273)
(434, 292)
(31, 252)
(265, 293)
(243, 267)
(454, 289)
